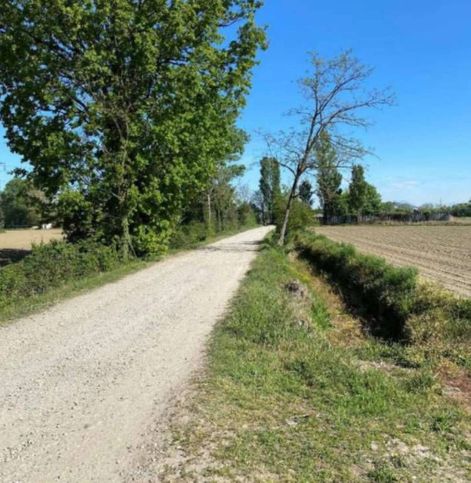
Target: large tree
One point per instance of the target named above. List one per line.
(336, 97)
(131, 104)
(270, 187)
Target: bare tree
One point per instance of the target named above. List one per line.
(336, 97)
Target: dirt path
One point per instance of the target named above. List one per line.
(82, 382)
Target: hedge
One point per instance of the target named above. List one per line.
(391, 300)
(52, 265)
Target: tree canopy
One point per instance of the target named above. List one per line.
(125, 107)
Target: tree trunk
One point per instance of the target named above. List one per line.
(292, 195)
(126, 237)
(209, 220)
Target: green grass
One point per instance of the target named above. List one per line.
(17, 307)
(29, 305)
(285, 400)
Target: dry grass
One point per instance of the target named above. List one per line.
(24, 239)
(16, 244)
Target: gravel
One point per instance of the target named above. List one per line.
(82, 382)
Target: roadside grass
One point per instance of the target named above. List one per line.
(35, 303)
(16, 307)
(296, 392)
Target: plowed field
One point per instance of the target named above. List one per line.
(441, 253)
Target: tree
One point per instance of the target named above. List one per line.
(335, 98)
(305, 192)
(357, 191)
(131, 104)
(328, 177)
(223, 196)
(269, 187)
(21, 204)
(363, 198)
(373, 203)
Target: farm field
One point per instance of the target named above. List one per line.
(15, 244)
(441, 253)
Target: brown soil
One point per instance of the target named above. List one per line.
(441, 253)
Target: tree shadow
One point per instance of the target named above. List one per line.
(11, 255)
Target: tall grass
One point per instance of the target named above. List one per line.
(392, 300)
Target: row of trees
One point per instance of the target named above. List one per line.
(126, 110)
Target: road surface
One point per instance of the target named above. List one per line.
(83, 381)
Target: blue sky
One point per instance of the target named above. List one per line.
(421, 48)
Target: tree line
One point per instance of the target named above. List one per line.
(125, 113)
(126, 110)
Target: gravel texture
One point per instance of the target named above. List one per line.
(82, 383)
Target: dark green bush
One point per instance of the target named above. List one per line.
(52, 265)
(188, 235)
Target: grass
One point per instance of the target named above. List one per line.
(29, 305)
(295, 392)
(20, 307)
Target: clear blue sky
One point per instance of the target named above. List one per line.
(421, 48)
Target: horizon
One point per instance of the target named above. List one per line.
(421, 50)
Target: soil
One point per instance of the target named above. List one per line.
(441, 253)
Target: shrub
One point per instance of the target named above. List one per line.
(189, 235)
(301, 215)
(384, 294)
(392, 300)
(52, 265)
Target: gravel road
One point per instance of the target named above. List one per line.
(82, 382)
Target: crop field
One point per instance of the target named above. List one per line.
(15, 244)
(441, 253)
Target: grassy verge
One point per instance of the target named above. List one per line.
(295, 392)
(56, 271)
(391, 300)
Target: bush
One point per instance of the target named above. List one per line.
(392, 300)
(189, 235)
(301, 215)
(385, 294)
(51, 266)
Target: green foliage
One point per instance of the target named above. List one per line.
(358, 190)
(305, 192)
(246, 215)
(461, 209)
(133, 104)
(363, 198)
(76, 215)
(21, 204)
(189, 235)
(385, 293)
(394, 304)
(52, 265)
(270, 187)
(301, 215)
(328, 177)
